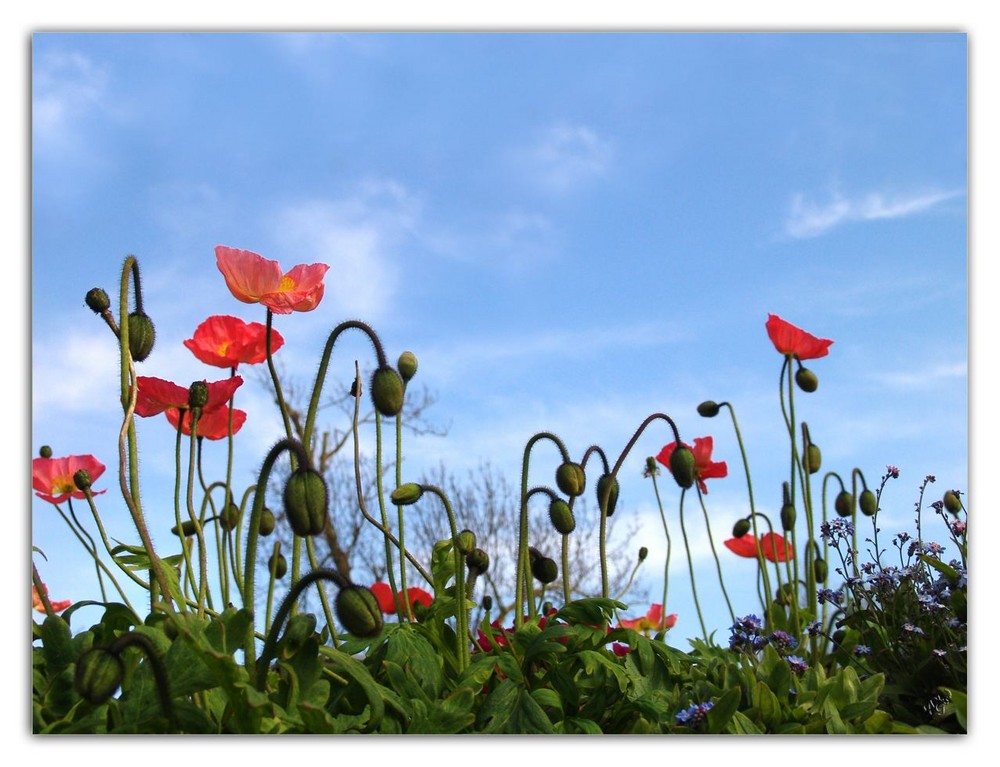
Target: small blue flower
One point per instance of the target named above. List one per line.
(694, 715)
(909, 628)
(862, 649)
(814, 628)
(797, 664)
(783, 641)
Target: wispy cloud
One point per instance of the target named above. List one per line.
(924, 378)
(810, 218)
(65, 86)
(566, 155)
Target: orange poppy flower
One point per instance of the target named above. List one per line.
(213, 423)
(52, 478)
(156, 395)
(772, 546)
(253, 279)
(704, 466)
(57, 606)
(795, 342)
(383, 595)
(654, 620)
(225, 342)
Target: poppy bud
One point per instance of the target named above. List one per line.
(545, 569)
(478, 562)
(358, 611)
(487, 602)
(868, 503)
(387, 392)
(820, 570)
(278, 563)
(682, 466)
(844, 503)
(141, 335)
(571, 479)
(741, 528)
(952, 502)
(356, 388)
(189, 527)
(230, 516)
(785, 594)
(465, 542)
(708, 409)
(406, 494)
(806, 380)
(45, 451)
(561, 517)
(306, 502)
(99, 674)
(814, 458)
(643, 553)
(787, 516)
(839, 636)
(98, 300)
(266, 526)
(81, 478)
(301, 626)
(603, 483)
(407, 365)
(198, 394)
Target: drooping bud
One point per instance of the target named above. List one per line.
(465, 542)
(571, 479)
(45, 451)
(188, 527)
(278, 563)
(478, 562)
(843, 504)
(561, 517)
(141, 335)
(682, 466)
(952, 502)
(545, 570)
(266, 526)
(407, 364)
(708, 409)
(198, 394)
(741, 528)
(806, 380)
(306, 502)
(868, 503)
(813, 458)
(608, 484)
(643, 553)
(820, 570)
(358, 611)
(387, 391)
(81, 478)
(99, 674)
(230, 516)
(97, 299)
(406, 494)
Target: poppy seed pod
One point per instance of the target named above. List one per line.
(682, 466)
(99, 674)
(741, 528)
(843, 504)
(306, 502)
(708, 409)
(266, 526)
(478, 562)
(387, 391)
(787, 516)
(97, 299)
(198, 394)
(868, 503)
(406, 494)
(806, 380)
(278, 563)
(188, 527)
(407, 364)
(81, 478)
(141, 335)
(952, 502)
(230, 516)
(605, 482)
(358, 611)
(465, 542)
(813, 458)
(561, 517)
(545, 570)
(571, 479)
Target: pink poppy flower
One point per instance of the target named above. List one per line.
(795, 342)
(654, 620)
(253, 279)
(57, 606)
(225, 342)
(772, 546)
(156, 395)
(52, 478)
(704, 466)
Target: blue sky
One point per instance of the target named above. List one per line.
(571, 231)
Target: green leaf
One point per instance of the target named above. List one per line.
(740, 725)
(722, 711)
(510, 710)
(768, 706)
(57, 644)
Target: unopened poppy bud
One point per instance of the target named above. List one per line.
(406, 494)
(608, 484)
(806, 380)
(741, 528)
(301, 626)
(708, 409)
(843, 504)
(278, 563)
(787, 516)
(387, 391)
(356, 388)
(571, 479)
(188, 527)
(266, 526)
(407, 364)
(306, 502)
(141, 335)
(487, 602)
(465, 542)
(545, 570)
(561, 517)
(358, 611)
(868, 503)
(785, 594)
(45, 451)
(814, 458)
(230, 516)
(839, 636)
(98, 300)
(952, 502)
(99, 674)
(478, 562)
(81, 478)
(198, 394)
(820, 570)
(643, 553)
(682, 466)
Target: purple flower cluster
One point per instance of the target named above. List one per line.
(694, 715)
(836, 530)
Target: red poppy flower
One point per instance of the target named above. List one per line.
(383, 595)
(225, 342)
(654, 620)
(704, 466)
(156, 395)
(36, 601)
(213, 423)
(254, 279)
(795, 342)
(774, 547)
(52, 478)
(621, 650)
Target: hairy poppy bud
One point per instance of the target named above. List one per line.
(230, 516)
(643, 553)
(608, 484)
(487, 602)
(806, 380)
(278, 563)
(99, 674)
(198, 394)
(682, 466)
(708, 409)
(407, 365)
(820, 570)
(97, 299)
(561, 517)
(952, 502)
(545, 570)
(814, 458)
(45, 451)
(81, 478)
(868, 503)
(141, 335)
(571, 479)
(406, 494)
(843, 504)
(787, 516)
(266, 526)
(478, 562)
(301, 626)
(387, 392)
(306, 502)
(188, 527)
(358, 611)
(465, 542)
(741, 528)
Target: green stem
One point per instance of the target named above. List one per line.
(694, 589)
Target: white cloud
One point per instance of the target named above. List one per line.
(808, 218)
(65, 86)
(566, 156)
(924, 378)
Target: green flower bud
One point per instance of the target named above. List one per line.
(189, 527)
(198, 394)
(98, 300)
(813, 458)
(230, 516)
(278, 563)
(487, 602)
(603, 483)
(952, 502)
(643, 553)
(571, 479)
(406, 494)
(45, 451)
(868, 503)
(141, 335)
(266, 526)
(301, 627)
(306, 502)
(81, 478)
(787, 516)
(99, 674)
(843, 504)
(561, 517)
(820, 570)
(407, 365)
(387, 392)
(682, 466)
(741, 528)
(708, 409)
(785, 594)
(806, 380)
(465, 542)
(478, 562)
(358, 611)
(545, 570)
